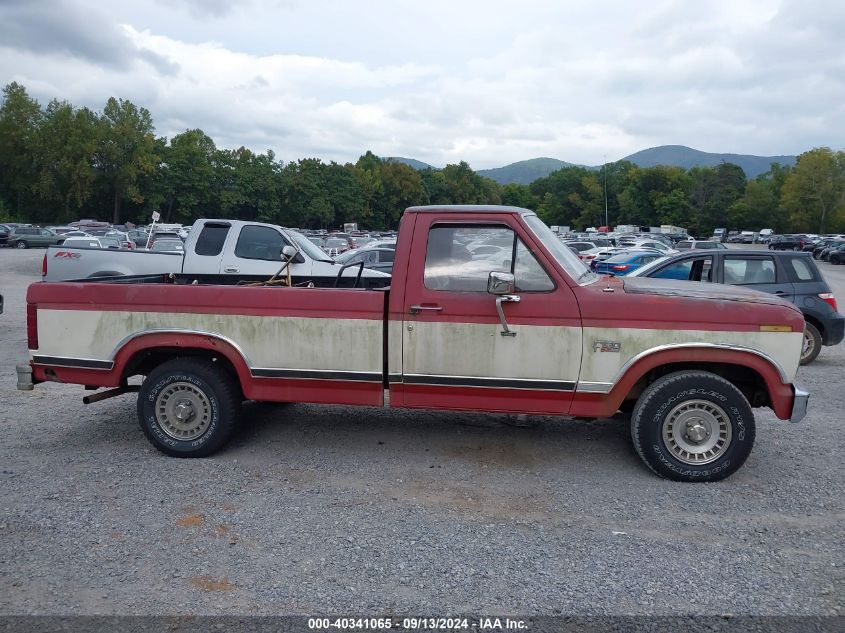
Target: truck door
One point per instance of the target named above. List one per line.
(456, 351)
(257, 251)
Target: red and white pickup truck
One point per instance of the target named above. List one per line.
(487, 311)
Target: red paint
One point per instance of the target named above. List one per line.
(312, 303)
(32, 325)
(492, 400)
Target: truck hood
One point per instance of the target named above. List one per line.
(700, 290)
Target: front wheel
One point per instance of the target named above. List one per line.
(693, 426)
(812, 344)
(21, 244)
(188, 407)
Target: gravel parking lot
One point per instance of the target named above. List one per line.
(320, 509)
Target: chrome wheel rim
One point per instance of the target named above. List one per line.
(697, 432)
(809, 344)
(183, 411)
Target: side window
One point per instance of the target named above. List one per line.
(45, 232)
(691, 269)
(460, 258)
(529, 275)
(745, 270)
(800, 269)
(211, 239)
(259, 242)
(386, 255)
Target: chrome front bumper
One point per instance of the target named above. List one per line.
(799, 404)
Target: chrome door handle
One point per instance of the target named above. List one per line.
(499, 301)
(231, 269)
(418, 309)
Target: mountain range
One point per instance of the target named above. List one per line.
(526, 171)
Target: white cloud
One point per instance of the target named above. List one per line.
(489, 83)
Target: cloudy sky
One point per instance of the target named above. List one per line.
(486, 81)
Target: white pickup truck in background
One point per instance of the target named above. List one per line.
(213, 247)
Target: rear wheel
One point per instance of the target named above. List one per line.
(21, 244)
(693, 426)
(188, 407)
(812, 344)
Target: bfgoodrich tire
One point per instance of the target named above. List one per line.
(188, 407)
(693, 426)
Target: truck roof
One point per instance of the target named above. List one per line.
(466, 208)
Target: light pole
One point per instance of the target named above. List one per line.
(606, 223)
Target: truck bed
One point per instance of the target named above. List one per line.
(87, 331)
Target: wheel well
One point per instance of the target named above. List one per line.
(144, 361)
(748, 381)
(809, 318)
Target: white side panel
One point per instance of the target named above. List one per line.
(268, 342)
(394, 351)
(603, 367)
(479, 350)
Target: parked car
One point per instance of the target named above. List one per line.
(86, 242)
(138, 237)
(627, 262)
(4, 234)
(699, 245)
(788, 243)
(792, 276)
(334, 246)
(373, 258)
(824, 251)
(837, 255)
(29, 236)
(168, 246)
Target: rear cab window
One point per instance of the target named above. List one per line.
(211, 239)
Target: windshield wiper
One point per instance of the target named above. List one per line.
(581, 276)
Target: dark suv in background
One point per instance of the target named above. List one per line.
(788, 243)
(789, 275)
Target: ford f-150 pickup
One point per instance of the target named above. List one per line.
(487, 311)
(213, 247)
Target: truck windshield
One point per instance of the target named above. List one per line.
(573, 266)
(308, 247)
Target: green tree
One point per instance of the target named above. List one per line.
(186, 175)
(402, 188)
(125, 150)
(20, 117)
(518, 195)
(814, 191)
(66, 141)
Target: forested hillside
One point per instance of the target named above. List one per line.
(60, 162)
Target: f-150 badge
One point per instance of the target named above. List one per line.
(607, 346)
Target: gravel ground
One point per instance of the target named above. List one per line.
(320, 509)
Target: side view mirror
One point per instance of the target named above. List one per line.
(288, 251)
(499, 283)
